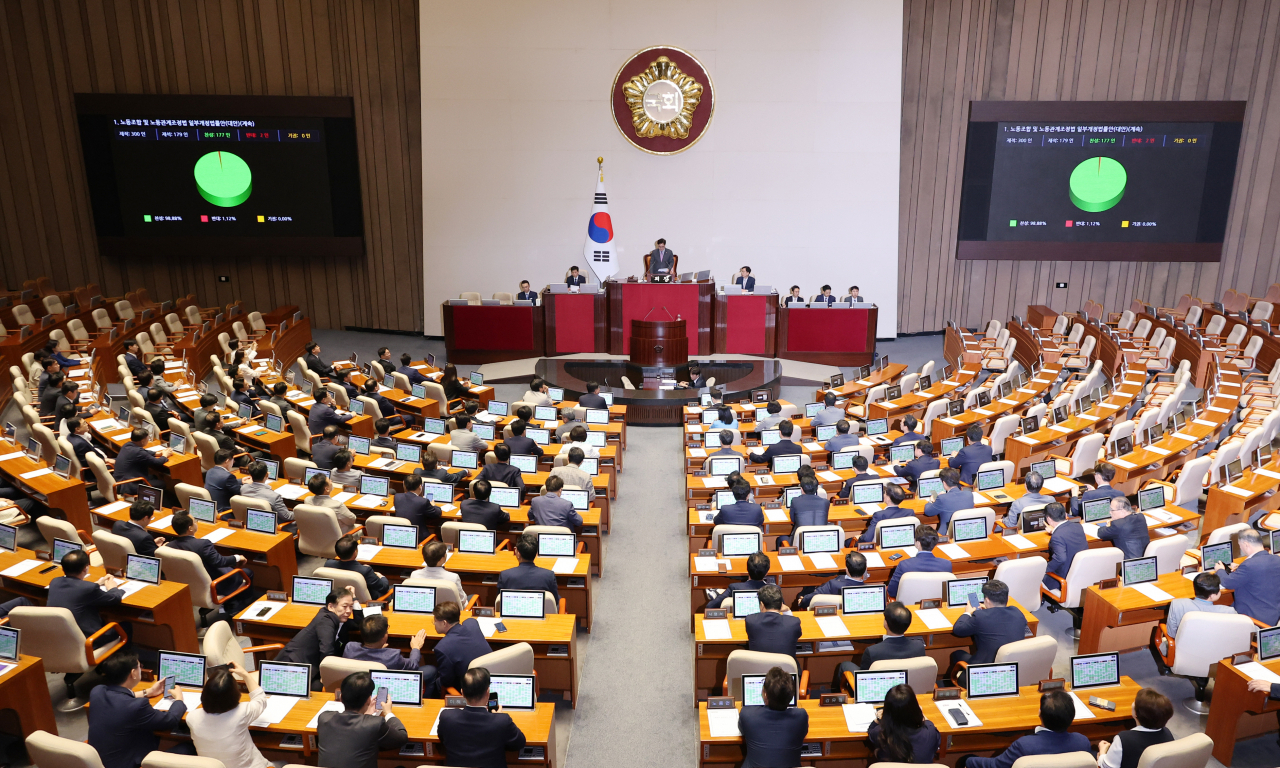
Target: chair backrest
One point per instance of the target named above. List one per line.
(55, 527)
(1143, 328)
(221, 646)
(919, 585)
(404, 385)
(270, 408)
(449, 530)
(102, 476)
(549, 604)
(339, 395)
(1208, 639)
(49, 751)
(343, 579)
(515, 659)
(754, 663)
(256, 322)
(1219, 535)
(115, 550)
(1085, 456)
(206, 447)
(186, 567)
(1068, 760)
(335, 669)
(240, 506)
(1191, 751)
(1237, 333)
(295, 469)
(193, 315)
(504, 297)
(158, 759)
(1168, 552)
(301, 433)
(174, 324)
(1000, 431)
(1194, 313)
(373, 524)
(987, 514)
(1034, 656)
(1088, 568)
(1190, 481)
(55, 633)
(1024, 576)
(936, 410)
(124, 310)
(922, 671)
(318, 530)
(471, 297)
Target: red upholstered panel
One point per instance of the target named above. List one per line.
(681, 300)
(826, 330)
(493, 327)
(745, 324)
(575, 323)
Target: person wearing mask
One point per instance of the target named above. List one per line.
(1254, 580)
(134, 461)
(1127, 530)
(895, 644)
(526, 293)
(1066, 540)
(994, 624)
(592, 398)
(578, 439)
(257, 488)
(784, 446)
(972, 456)
(372, 645)
(910, 436)
(900, 733)
(923, 462)
(324, 414)
(572, 473)
(774, 734)
(520, 444)
(141, 515)
(122, 722)
(354, 737)
(773, 419)
(855, 573)
(830, 413)
(324, 636)
(478, 508)
(501, 470)
(314, 363)
(346, 549)
(322, 488)
(215, 563)
(433, 559)
(461, 642)
(528, 575)
(773, 629)
(220, 725)
(951, 501)
(345, 474)
(741, 511)
(537, 393)
(553, 509)
(1208, 590)
(472, 735)
(85, 599)
(1103, 474)
(894, 495)
(1051, 737)
(923, 562)
(860, 466)
(842, 439)
(1152, 710)
(417, 509)
(1032, 498)
(220, 482)
(757, 569)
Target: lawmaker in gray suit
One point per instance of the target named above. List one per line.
(661, 260)
(353, 739)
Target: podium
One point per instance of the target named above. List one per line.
(659, 343)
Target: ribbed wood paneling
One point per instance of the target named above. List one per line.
(51, 49)
(956, 51)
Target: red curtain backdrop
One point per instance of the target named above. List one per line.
(680, 300)
(826, 330)
(493, 327)
(575, 323)
(745, 324)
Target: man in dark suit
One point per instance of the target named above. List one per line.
(771, 630)
(526, 575)
(855, 573)
(478, 508)
(575, 278)
(826, 297)
(323, 637)
(860, 466)
(385, 406)
(773, 735)
(240, 396)
(1103, 474)
(741, 511)
(459, 645)
(324, 449)
(85, 599)
(406, 367)
(431, 468)
(416, 509)
(726, 440)
(49, 397)
(314, 363)
(122, 722)
(757, 569)
(340, 378)
(1254, 580)
(1057, 711)
(82, 445)
(924, 561)
(954, 499)
(1127, 530)
(808, 508)
(923, 462)
(592, 399)
(526, 293)
(745, 280)
(553, 509)
(133, 358)
(473, 735)
(69, 398)
(158, 411)
(346, 549)
(995, 624)
(830, 413)
(200, 416)
(1066, 540)
(895, 496)
(502, 471)
(278, 399)
(135, 461)
(354, 737)
(855, 295)
(696, 379)
(972, 456)
(141, 513)
(215, 563)
(794, 297)
(661, 260)
(895, 645)
(219, 480)
(784, 446)
(518, 443)
(323, 414)
(842, 439)
(384, 362)
(382, 435)
(910, 436)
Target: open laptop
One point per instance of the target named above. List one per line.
(990, 479)
(1095, 670)
(876, 428)
(410, 452)
(358, 445)
(928, 486)
(824, 432)
(281, 678)
(463, 459)
(438, 493)
(1212, 554)
(1151, 498)
(770, 437)
(901, 454)
(576, 497)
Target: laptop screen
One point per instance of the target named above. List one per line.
(477, 378)
(1268, 643)
(555, 393)
(483, 431)
(814, 542)
(186, 669)
(557, 545)
(309, 590)
(1095, 669)
(523, 603)
(753, 688)
(358, 445)
(261, 521)
(843, 459)
(152, 495)
(597, 416)
(273, 469)
(725, 465)
(61, 547)
(577, 497)
(433, 426)
(869, 599)
(178, 443)
(374, 485)
(985, 680)
(1140, 570)
(279, 678)
(901, 454)
(1046, 469)
(958, 591)
(825, 432)
(311, 472)
(897, 535)
(514, 691)
(526, 463)
(739, 544)
(439, 493)
(404, 687)
(591, 466)
(784, 465)
(1212, 554)
(745, 603)
(868, 493)
(951, 445)
(411, 452)
(142, 568)
(770, 437)
(1151, 498)
(596, 439)
(10, 643)
(1097, 509)
(990, 479)
(407, 599)
(477, 542)
(505, 497)
(872, 687)
(969, 529)
(877, 427)
(402, 536)
(464, 459)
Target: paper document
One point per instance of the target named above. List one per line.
(36, 473)
(1090, 530)
(715, 482)
(953, 551)
(277, 708)
(951, 421)
(367, 551)
(1019, 541)
(218, 534)
(933, 618)
(17, 569)
(1008, 401)
(1026, 391)
(163, 522)
(370, 500)
(1060, 428)
(873, 559)
(717, 629)
(263, 610)
(981, 498)
(830, 477)
(1154, 592)
(1026, 440)
(249, 428)
(380, 463)
(565, 565)
(1203, 423)
(832, 626)
(1123, 463)
(694, 427)
(1267, 473)
(1057, 485)
(1164, 515)
(722, 723)
(487, 625)
(129, 587)
(292, 492)
(1185, 436)
(344, 497)
(870, 509)
(947, 707)
(776, 515)
(435, 726)
(329, 706)
(1082, 711)
(859, 717)
(908, 551)
(1245, 492)
(1088, 416)
(764, 480)
(698, 453)
(823, 562)
(693, 409)
(982, 411)
(705, 564)
(113, 507)
(791, 562)
(1158, 450)
(1255, 671)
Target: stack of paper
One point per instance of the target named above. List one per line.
(1154, 592)
(163, 522)
(933, 618)
(263, 610)
(1158, 450)
(487, 625)
(715, 482)
(277, 708)
(1019, 541)
(1255, 671)
(1228, 488)
(1090, 530)
(947, 707)
(218, 534)
(370, 500)
(873, 559)
(832, 626)
(705, 564)
(1057, 485)
(329, 706)
(830, 477)
(17, 569)
(953, 551)
(716, 629)
(723, 723)
(871, 509)
(113, 507)
(565, 565)
(859, 717)
(129, 587)
(344, 497)
(1060, 428)
(367, 551)
(823, 561)
(791, 562)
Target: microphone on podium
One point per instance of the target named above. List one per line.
(650, 312)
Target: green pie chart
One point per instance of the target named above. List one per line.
(223, 179)
(1097, 184)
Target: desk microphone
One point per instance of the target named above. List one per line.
(650, 312)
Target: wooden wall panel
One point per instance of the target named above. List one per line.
(365, 49)
(957, 51)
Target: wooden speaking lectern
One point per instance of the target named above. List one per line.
(659, 343)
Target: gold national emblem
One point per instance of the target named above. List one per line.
(662, 100)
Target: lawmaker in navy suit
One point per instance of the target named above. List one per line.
(135, 461)
(895, 496)
(123, 725)
(346, 548)
(527, 575)
(808, 508)
(519, 444)
(745, 280)
(860, 466)
(460, 644)
(416, 509)
(1254, 580)
(134, 529)
(1127, 530)
(1066, 540)
(910, 436)
(215, 563)
(1057, 712)
(784, 446)
(323, 414)
(993, 625)
(85, 599)
(771, 630)
(472, 735)
(774, 734)
(413, 374)
(950, 501)
(741, 512)
(855, 574)
(826, 297)
(757, 569)
(220, 482)
(923, 562)
(923, 462)
(972, 456)
(133, 358)
(593, 398)
(895, 645)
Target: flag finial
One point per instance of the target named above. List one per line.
(600, 162)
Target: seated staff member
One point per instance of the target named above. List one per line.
(313, 361)
(324, 414)
(454, 388)
(52, 392)
(855, 294)
(773, 419)
(411, 373)
(346, 549)
(519, 444)
(1127, 530)
(122, 722)
(696, 379)
(1057, 711)
(757, 569)
(372, 645)
(592, 398)
(855, 573)
(784, 446)
(1208, 590)
(895, 496)
(923, 462)
(478, 508)
(575, 277)
(321, 487)
(527, 574)
(553, 509)
(141, 515)
(744, 280)
(526, 293)
(923, 562)
(900, 733)
(472, 735)
(1032, 498)
(994, 624)
(794, 297)
(774, 734)
(972, 456)
(73, 591)
(354, 737)
(860, 466)
(954, 499)
(571, 473)
(910, 436)
(842, 439)
(1103, 474)
(741, 511)
(1153, 711)
(826, 297)
(1066, 540)
(215, 563)
(323, 637)
(1254, 580)
(417, 509)
(830, 413)
(433, 558)
(502, 471)
(895, 645)
(134, 461)
(220, 725)
(460, 644)
(773, 629)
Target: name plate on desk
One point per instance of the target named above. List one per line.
(1109, 583)
(481, 612)
(773, 505)
(866, 546)
(716, 613)
(720, 702)
(930, 603)
(1054, 684)
(824, 610)
(762, 471)
(946, 694)
(278, 597)
(455, 701)
(788, 551)
(834, 699)
(839, 502)
(706, 553)
(701, 507)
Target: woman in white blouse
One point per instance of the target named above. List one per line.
(220, 727)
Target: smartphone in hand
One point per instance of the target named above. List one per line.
(168, 686)
(383, 693)
(493, 701)
(974, 600)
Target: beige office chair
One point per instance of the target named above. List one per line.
(185, 492)
(221, 646)
(922, 672)
(187, 568)
(988, 515)
(1083, 459)
(56, 528)
(445, 590)
(515, 659)
(1191, 751)
(798, 537)
(373, 524)
(719, 531)
(318, 530)
(301, 434)
(1088, 568)
(342, 579)
(504, 297)
(1168, 552)
(1068, 760)
(269, 408)
(295, 469)
(371, 408)
(758, 663)
(1034, 656)
(49, 751)
(206, 448)
(549, 604)
(115, 550)
(160, 759)
(340, 397)
(335, 669)
(917, 586)
(124, 310)
(192, 313)
(1007, 466)
(63, 647)
(1025, 577)
(1202, 641)
(471, 297)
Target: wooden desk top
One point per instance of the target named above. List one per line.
(147, 598)
(607, 454)
(240, 538)
(891, 372)
(404, 558)
(1130, 599)
(555, 628)
(916, 400)
(860, 626)
(590, 516)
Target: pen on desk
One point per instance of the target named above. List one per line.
(50, 568)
